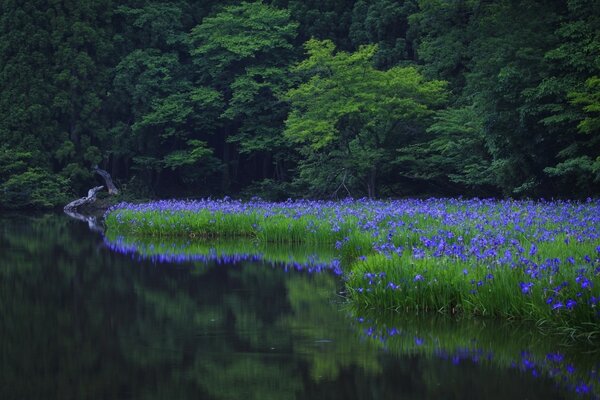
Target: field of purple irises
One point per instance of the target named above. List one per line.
(531, 260)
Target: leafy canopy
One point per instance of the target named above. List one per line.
(350, 110)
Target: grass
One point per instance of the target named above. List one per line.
(528, 260)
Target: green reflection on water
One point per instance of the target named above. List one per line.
(81, 321)
(495, 343)
(188, 249)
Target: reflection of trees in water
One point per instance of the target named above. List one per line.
(79, 321)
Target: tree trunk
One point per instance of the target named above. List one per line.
(371, 183)
(266, 164)
(112, 189)
(226, 179)
(90, 198)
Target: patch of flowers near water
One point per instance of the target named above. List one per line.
(535, 260)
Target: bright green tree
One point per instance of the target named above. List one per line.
(349, 118)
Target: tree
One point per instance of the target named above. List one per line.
(452, 155)
(506, 63)
(243, 52)
(582, 157)
(440, 34)
(385, 23)
(54, 71)
(349, 118)
(568, 100)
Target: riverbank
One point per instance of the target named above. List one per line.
(527, 260)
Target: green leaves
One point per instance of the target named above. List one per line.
(349, 109)
(454, 149)
(26, 186)
(589, 101)
(197, 151)
(240, 32)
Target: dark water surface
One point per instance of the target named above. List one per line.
(87, 317)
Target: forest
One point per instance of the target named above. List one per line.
(299, 98)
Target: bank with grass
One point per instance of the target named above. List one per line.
(530, 260)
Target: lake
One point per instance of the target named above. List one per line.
(84, 316)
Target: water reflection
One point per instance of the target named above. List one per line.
(504, 345)
(79, 320)
(182, 250)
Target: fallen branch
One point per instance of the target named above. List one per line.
(90, 198)
(112, 189)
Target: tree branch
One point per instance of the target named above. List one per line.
(112, 189)
(90, 198)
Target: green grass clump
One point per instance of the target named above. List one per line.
(459, 287)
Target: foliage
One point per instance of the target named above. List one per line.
(352, 116)
(455, 152)
(191, 98)
(23, 186)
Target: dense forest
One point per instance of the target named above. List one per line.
(299, 98)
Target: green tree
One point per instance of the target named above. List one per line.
(54, 72)
(349, 118)
(453, 156)
(582, 157)
(385, 23)
(243, 52)
(507, 62)
(439, 31)
(568, 100)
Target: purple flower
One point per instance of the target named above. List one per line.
(526, 287)
(418, 277)
(555, 357)
(532, 250)
(582, 388)
(571, 304)
(584, 282)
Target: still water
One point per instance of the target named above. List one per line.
(84, 316)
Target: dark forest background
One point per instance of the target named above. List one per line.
(289, 98)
